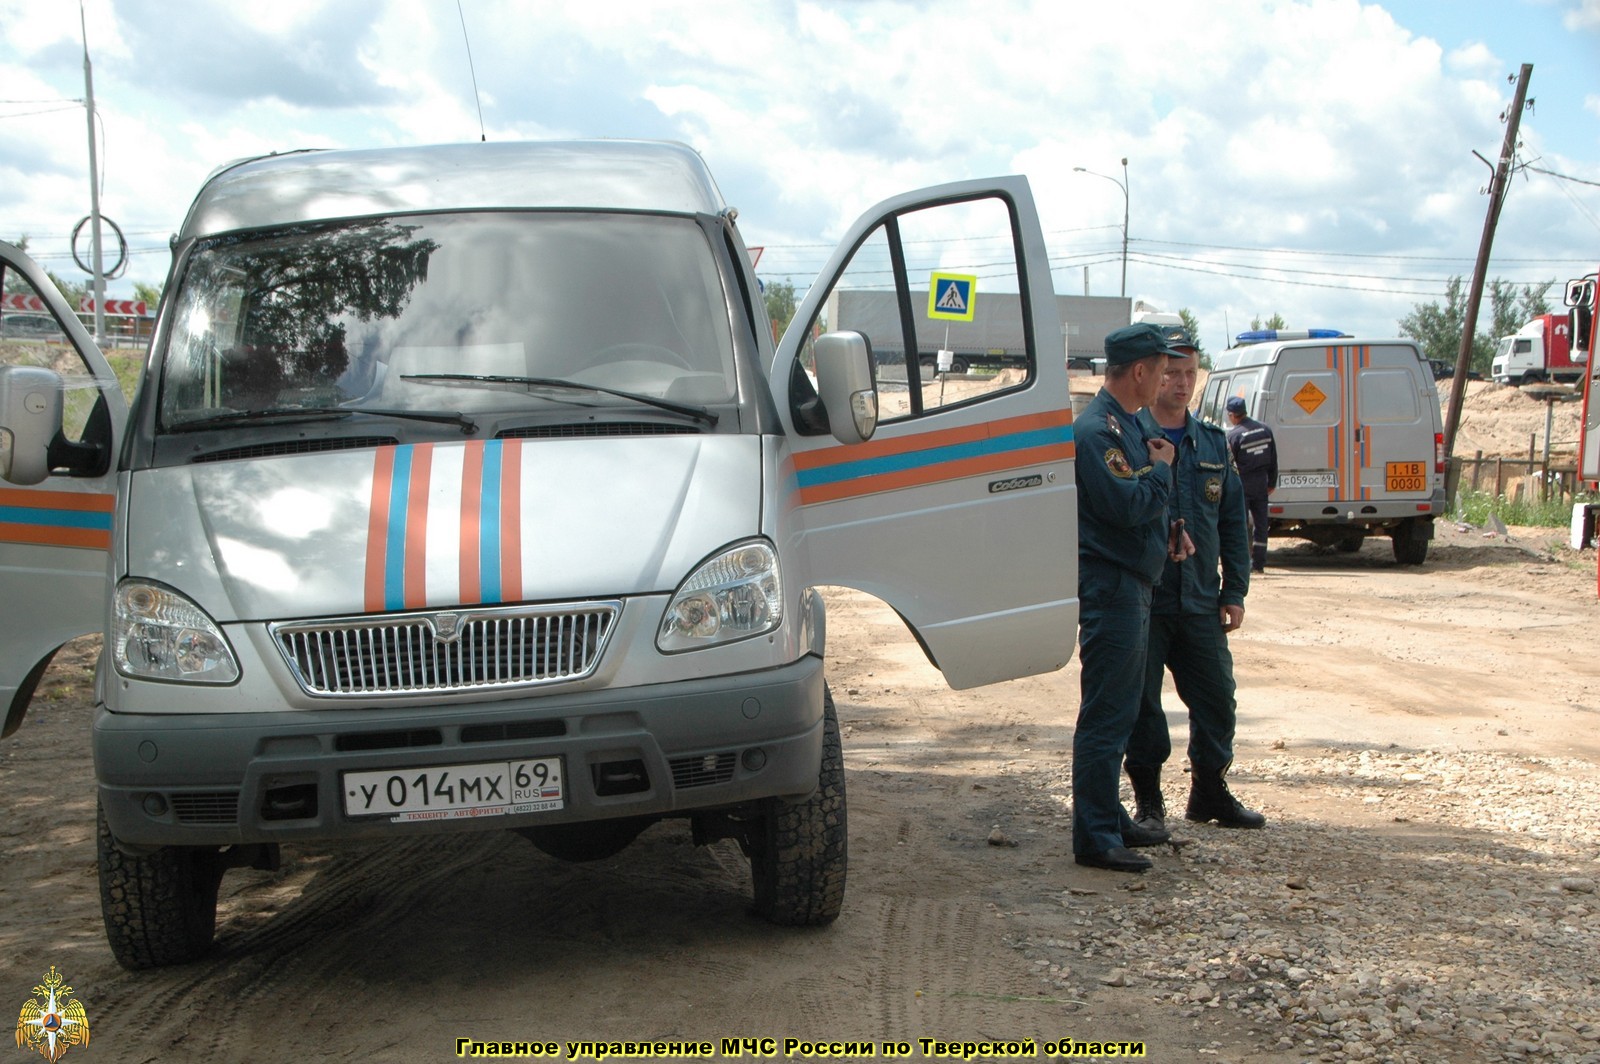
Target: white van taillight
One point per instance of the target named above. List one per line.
(1438, 452)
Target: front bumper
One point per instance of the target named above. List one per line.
(228, 778)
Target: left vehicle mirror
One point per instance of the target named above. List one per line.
(845, 383)
(30, 417)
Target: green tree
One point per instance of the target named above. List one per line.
(74, 292)
(1534, 301)
(1505, 317)
(150, 293)
(1274, 322)
(1192, 325)
(781, 302)
(1437, 329)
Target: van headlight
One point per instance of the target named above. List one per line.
(735, 595)
(158, 634)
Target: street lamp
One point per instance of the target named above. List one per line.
(1123, 185)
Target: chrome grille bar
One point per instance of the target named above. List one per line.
(407, 654)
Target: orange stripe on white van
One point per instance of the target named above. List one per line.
(377, 527)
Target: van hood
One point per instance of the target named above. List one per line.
(439, 525)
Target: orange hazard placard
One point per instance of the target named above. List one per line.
(1309, 397)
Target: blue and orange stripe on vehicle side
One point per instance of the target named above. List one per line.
(1363, 433)
(1334, 442)
(490, 514)
(845, 472)
(56, 518)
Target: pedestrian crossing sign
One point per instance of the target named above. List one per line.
(952, 296)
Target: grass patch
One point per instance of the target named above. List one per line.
(1476, 507)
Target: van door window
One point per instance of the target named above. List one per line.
(1210, 406)
(965, 254)
(35, 338)
(1387, 396)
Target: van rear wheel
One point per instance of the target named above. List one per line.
(1410, 538)
(159, 909)
(798, 851)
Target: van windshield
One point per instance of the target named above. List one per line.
(400, 313)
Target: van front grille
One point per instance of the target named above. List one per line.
(417, 653)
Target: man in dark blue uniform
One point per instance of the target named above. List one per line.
(1124, 480)
(1255, 453)
(1194, 605)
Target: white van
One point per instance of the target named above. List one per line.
(1359, 434)
(465, 489)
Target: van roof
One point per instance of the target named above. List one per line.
(311, 185)
(1265, 352)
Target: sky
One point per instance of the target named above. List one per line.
(1307, 158)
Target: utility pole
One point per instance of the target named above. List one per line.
(1499, 184)
(94, 191)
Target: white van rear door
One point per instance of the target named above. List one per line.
(1395, 414)
(54, 536)
(960, 512)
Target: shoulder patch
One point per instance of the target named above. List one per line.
(1113, 424)
(1117, 462)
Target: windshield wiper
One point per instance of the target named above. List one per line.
(306, 413)
(696, 412)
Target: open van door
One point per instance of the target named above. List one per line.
(959, 507)
(55, 516)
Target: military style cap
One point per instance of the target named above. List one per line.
(1134, 342)
(1235, 405)
(1178, 337)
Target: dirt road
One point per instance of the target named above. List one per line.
(1424, 741)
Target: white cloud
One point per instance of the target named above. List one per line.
(1322, 125)
(1585, 16)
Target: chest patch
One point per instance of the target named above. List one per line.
(1213, 489)
(1117, 462)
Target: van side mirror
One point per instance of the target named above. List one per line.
(30, 418)
(846, 385)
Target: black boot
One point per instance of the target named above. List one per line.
(1150, 811)
(1210, 799)
(1258, 557)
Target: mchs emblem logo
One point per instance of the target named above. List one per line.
(55, 1024)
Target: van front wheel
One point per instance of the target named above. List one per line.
(159, 909)
(798, 851)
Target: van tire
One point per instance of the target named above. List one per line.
(1350, 542)
(1410, 538)
(159, 909)
(798, 852)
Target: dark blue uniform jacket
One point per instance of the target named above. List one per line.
(1208, 496)
(1122, 497)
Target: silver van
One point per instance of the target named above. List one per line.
(466, 488)
(1359, 434)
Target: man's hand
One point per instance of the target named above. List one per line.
(1232, 617)
(1179, 545)
(1161, 450)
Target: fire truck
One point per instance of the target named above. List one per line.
(1582, 306)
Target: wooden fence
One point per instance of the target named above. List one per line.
(1551, 476)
